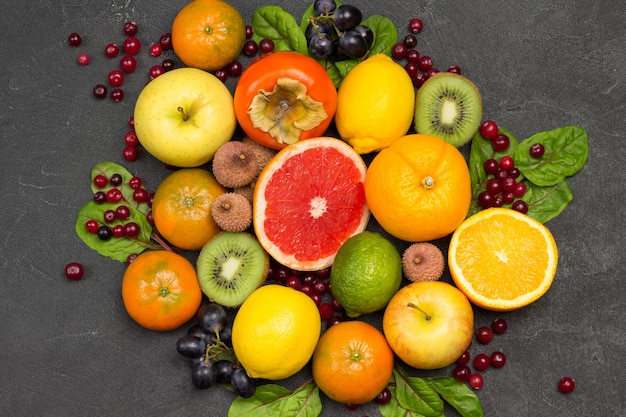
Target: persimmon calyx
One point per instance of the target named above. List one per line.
(286, 111)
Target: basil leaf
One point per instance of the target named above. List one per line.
(458, 395)
(108, 169)
(416, 395)
(482, 150)
(274, 400)
(116, 248)
(385, 34)
(272, 22)
(566, 151)
(545, 203)
(345, 66)
(394, 409)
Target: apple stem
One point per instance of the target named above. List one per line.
(415, 306)
(185, 116)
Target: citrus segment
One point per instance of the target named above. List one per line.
(308, 200)
(502, 259)
(275, 332)
(419, 188)
(352, 362)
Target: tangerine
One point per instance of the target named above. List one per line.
(208, 34)
(160, 290)
(182, 207)
(502, 259)
(352, 362)
(418, 188)
(308, 200)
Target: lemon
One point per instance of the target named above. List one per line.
(375, 104)
(275, 332)
(366, 273)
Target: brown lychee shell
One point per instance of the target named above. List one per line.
(423, 261)
(232, 212)
(235, 164)
(263, 153)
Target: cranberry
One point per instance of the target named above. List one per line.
(250, 48)
(497, 359)
(166, 41)
(131, 258)
(306, 289)
(566, 385)
(74, 39)
(168, 64)
(92, 226)
(333, 320)
(416, 25)
(508, 184)
(74, 271)
(323, 273)
(413, 56)
(116, 180)
(155, 71)
(135, 182)
(418, 79)
(83, 59)
(131, 229)
(399, 51)
(462, 373)
(118, 230)
(326, 311)
(411, 68)
(491, 166)
(500, 143)
(455, 69)
(111, 50)
(131, 139)
(109, 216)
(431, 72)
(481, 362)
(489, 129)
(384, 397)
(140, 195)
(336, 305)
(410, 41)
(507, 163)
(100, 197)
(114, 195)
(249, 32)
(116, 78)
(501, 174)
(514, 172)
(537, 150)
(484, 335)
(156, 49)
(464, 358)
(131, 122)
(100, 91)
(520, 189)
(293, 282)
(497, 201)
(222, 74)
(128, 63)
(100, 181)
(235, 69)
(499, 326)
(150, 217)
(425, 62)
(122, 212)
(266, 46)
(521, 206)
(476, 381)
(130, 28)
(117, 94)
(320, 286)
(131, 45)
(317, 299)
(485, 199)
(508, 197)
(494, 186)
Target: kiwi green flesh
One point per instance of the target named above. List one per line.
(448, 106)
(230, 267)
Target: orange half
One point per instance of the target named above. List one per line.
(502, 259)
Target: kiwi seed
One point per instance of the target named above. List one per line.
(449, 107)
(230, 267)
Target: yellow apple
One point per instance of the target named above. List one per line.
(429, 324)
(183, 116)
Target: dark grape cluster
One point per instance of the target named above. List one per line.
(336, 33)
(207, 344)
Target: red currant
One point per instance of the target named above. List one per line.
(74, 271)
(566, 385)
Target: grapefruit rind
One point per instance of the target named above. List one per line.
(305, 235)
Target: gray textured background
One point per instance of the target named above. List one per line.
(69, 348)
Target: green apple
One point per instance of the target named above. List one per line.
(183, 116)
(429, 324)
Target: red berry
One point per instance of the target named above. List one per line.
(155, 71)
(74, 271)
(130, 153)
(521, 206)
(116, 78)
(168, 64)
(111, 50)
(410, 41)
(484, 335)
(416, 25)
(566, 385)
(500, 142)
(128, 63)
(113, 195)
(413, 56)
(130, 28)
(520, 189)
(491, 166)
(326, 311)
(131, 45)
(464, 358)
(399, 51)
(499, 326)
(489, 129)
(497, 359)
(537, 150)
(249, 31)
(476, 381)
(462, 373)
(100, 91)
(250, 48)
(100, 181)
(131, 122)
(74, 39)
(507, 163)
(266, 46)
(83, 59)
(117, 94)
(140, 195)
(455, 69)
(131, 229)
(166, 41)
(384, 397)
(235, 69)
(131, 139)
(92, 226)
(425, 62)
(481, 362)
(222, 74)
(156, 49)
(135, 182)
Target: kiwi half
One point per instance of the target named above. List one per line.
(449, 107)
(231, 266)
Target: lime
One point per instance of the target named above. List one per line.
(366, 273)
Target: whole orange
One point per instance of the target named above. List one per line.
(352, 362)
(160, 290)
(182, 207)
(419, 188)
(208, 34)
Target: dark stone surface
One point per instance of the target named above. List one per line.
(69, 348)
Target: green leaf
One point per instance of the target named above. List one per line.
(566, 151)
(545, 203)
(416, 395)
(385, 34)
(393, 408)
(345, 66)
(272, 22)
(271, 400)
(457, 394)
(116, 248)
(108, 169)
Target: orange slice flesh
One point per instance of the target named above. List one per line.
(502, 259)
(308, 200)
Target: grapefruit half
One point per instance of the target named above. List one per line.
(308, 200)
